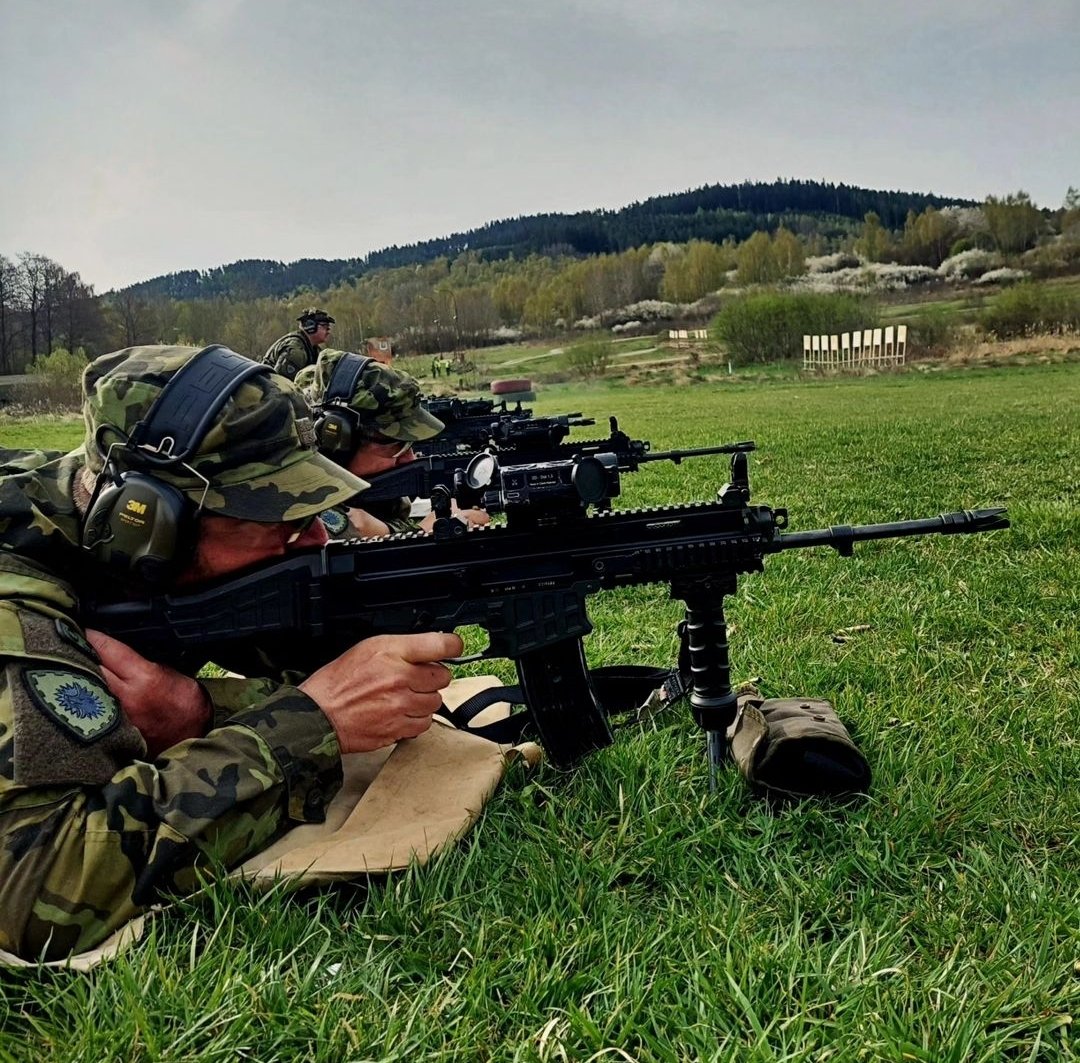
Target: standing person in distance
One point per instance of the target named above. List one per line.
(289, 354)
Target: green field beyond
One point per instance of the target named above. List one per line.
(621, 911)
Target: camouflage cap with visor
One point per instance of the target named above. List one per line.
(315, 316)
(384, 401)
(258, 453)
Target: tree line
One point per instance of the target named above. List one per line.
(714, 213)
(455, 302)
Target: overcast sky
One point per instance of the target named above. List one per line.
(142, 137)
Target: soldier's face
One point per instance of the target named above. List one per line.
(321, 334)
(374, 457)
(227, 545)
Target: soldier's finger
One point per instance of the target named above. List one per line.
(423, 706)
(428, 678)
(117, 656)
(430, 646)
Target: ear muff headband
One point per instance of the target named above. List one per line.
(338, 424)
(188, 404)
(345, 377)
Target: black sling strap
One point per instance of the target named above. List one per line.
(620, 689)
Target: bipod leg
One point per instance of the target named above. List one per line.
(704, 655)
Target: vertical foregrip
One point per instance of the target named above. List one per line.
(712, 700)
(566, 713)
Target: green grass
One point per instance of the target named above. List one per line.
(622, 910)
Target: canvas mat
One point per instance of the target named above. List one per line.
(397, 806)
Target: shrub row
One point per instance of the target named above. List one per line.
(1028, 309)
(770, 327)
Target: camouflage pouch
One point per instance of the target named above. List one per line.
(796, 747)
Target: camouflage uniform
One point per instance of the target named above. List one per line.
(295, 350)
(290, 354)
(387, 402)
(13, 461)
(91, 831)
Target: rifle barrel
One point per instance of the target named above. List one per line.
(695, 452)
(841, 537)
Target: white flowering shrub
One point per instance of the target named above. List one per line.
(587, 323)
(701, 309)
(1004, 275)
(841, 260)
(968, 265)
(646, 310)
(871, 277)
(506, 334)
(967, 219)
(626, 326)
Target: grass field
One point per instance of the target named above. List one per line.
(622, 910)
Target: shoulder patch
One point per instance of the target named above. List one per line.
(334, 521)
(82, 705)
(71, 634)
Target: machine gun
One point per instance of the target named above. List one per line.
(418, 479)
(526, 583)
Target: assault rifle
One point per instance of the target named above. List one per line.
(419, 478)
(507, 431)
(453, 409)
(526, 583)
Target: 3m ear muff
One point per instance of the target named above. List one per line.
(137, 524)
(336, 427)
(308, 325)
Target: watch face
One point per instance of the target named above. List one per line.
(481, 471)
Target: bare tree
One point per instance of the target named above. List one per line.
(133, 319)
(31, 285)
(8, 285)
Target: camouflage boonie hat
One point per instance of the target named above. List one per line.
(385, 400)
(258, 455)
(304, 382)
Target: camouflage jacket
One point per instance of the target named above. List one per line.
(290, 354)
(91, 832)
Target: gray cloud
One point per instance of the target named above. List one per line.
(144, 138)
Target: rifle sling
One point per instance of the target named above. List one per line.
(626, 688)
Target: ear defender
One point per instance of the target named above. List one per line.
(336, 427)
(141, 526)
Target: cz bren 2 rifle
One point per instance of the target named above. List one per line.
(419, 478)
(526, 583)
(473, 424)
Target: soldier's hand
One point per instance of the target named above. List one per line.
(471, 518)
(384, 689)
(165, 705)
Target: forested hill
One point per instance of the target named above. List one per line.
(714, 212)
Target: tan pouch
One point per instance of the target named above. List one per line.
(796, 747)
